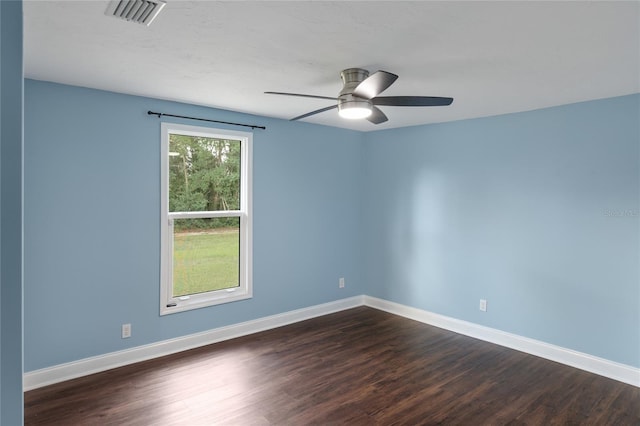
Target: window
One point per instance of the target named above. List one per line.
(206, 217)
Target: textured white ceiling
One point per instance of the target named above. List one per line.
(491, 57)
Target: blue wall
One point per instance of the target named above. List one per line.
(537, 212)
(522, 210)
(92, 209)
(11, 92)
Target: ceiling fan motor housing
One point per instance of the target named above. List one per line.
(351, 78)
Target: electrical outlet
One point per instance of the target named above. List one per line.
(483, 305)
(126, 331)
(341, 283)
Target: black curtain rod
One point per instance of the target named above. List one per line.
(160, 114)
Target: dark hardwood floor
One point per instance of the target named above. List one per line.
(356, 367)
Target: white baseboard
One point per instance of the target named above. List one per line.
(83, 367)
(603, 367)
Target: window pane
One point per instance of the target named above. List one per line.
(206, 255)
(204, 174)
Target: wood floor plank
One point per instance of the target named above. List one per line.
(356, 367)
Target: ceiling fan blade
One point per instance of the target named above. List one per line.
(375, 84)
(318, 111)
(411, 101)
(377, 116)
(301, 95)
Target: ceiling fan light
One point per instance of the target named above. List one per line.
(355, 113)
(354, 109)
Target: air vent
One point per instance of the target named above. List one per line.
(138, 11)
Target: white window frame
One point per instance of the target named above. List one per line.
(168, 303)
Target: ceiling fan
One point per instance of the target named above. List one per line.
(359, 96)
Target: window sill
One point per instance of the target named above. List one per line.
(203, 301)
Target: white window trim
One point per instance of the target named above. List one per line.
(245, 290)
